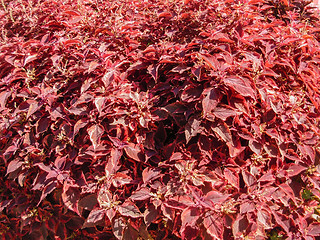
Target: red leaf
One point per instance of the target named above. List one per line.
(34, 106)
(264, 218)
(248, 178)
(134, 152)
(95, 132)
(211, 100)
(42, 125)
(294, 170)
(224, 112)
(149, 174)
(223, 131)
(79, 124)
(118, 226)
(216, 197)
(192, 128)
(99, 102)
(29, 59)
(47, 190)
(214, 224)
(288, 191)
(70, 197)
(232, 177)
(239, 226)
(150, 214)
(129, 209)
(241, 85)
(141, 194)
(94, 217)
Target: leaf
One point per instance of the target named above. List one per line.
(108, 78)
(94, 217)
(29, 59)
(49, 188)
(213, 224)
(3, 98)
(210, 101)
(150, 214)
(192, 128)
(189, 216)
(248, 178)
(191, 93)
(79, 124)
(43, 125)
(70, 197)
(240, 225)
(216, 197)
(13, 166)
(314, 229)
(99, 102)
(264, 217)
(223, 131)
(95, 132)
(34, 106)
(141, 194)
(118, 226)
(129, 209)
(232, 177)
(149, 174)
(294, 170)
(241, 85)
(88, 202)
(224, 112)
(134, 152)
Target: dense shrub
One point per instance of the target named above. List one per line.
(159, 119)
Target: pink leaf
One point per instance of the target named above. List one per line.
(95, 132)
(13, 166)
(34, 106)
(189, 216)
(314, 229)
(29, 59)
(223, 131)
(118, 227)
(3, 98)
(149, 174)
(264, 218)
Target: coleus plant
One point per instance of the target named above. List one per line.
(152, 119)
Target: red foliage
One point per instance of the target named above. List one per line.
(159, 119)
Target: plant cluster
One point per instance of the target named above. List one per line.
(158, 119)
